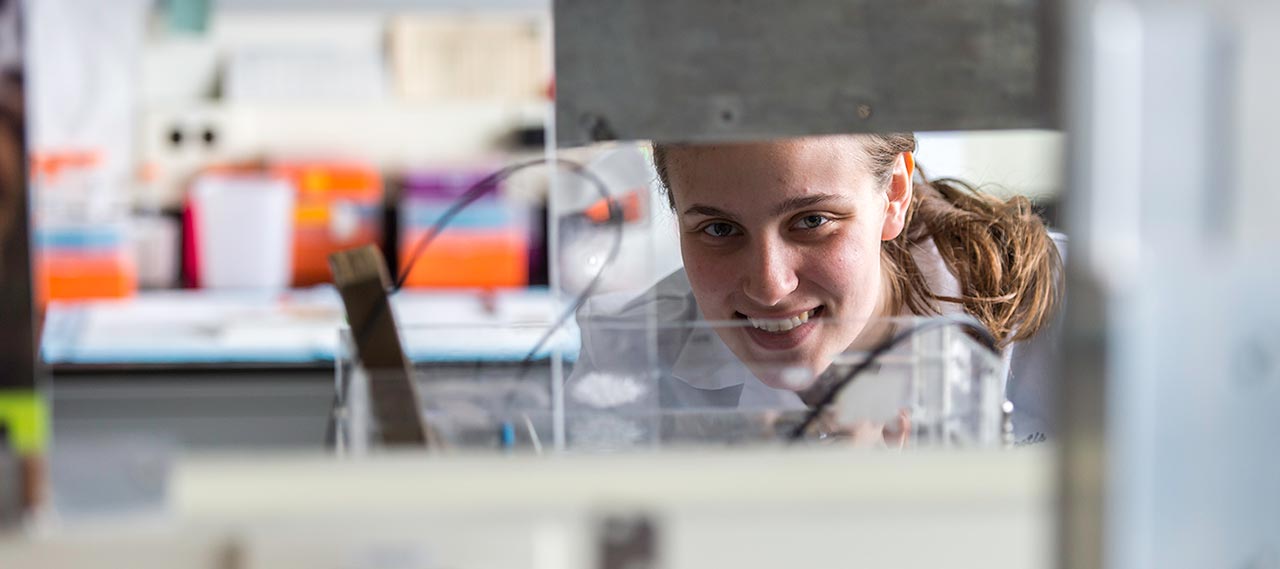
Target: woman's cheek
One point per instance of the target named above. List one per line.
(710, 275)
(845, 267)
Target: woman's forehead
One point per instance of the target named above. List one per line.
(846, 144)
(820, 163)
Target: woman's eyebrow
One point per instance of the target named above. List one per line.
(786, 206)
(700, 209)
(802, 202)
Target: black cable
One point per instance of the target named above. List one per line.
(963, 321)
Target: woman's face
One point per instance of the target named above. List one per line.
(784, 237)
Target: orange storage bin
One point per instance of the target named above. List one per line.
(339, 206)
(462, 259)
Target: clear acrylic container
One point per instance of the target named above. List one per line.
(477, 391)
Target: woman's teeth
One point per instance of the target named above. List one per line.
(781, 324)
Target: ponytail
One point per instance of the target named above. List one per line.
(1000, 252)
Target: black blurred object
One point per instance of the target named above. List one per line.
(539, 245)
(529, 137)
(391, 231)
(11, 482)
(19, 338)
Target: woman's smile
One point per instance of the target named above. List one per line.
(781, 332)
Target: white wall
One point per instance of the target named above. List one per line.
(320, 118)
(1027, 162)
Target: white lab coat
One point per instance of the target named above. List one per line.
(624, 364)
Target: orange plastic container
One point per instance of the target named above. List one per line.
(485, 245)
(463, 259)
(86, 275)
(339, 206)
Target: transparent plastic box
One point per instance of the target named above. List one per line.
(477, 391)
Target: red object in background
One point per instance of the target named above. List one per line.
(338, 207)
(628, 203)
(190, 255)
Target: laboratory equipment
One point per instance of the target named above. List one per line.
(513, 386)
(671, 71)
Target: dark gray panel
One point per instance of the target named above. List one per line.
(196, 410)
(17, 310)
(676, 70)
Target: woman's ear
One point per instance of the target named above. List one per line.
(898, 196)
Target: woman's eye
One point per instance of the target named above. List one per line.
(812, 221)
(719, 229)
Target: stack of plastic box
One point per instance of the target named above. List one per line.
(485, 246)
(83, 250)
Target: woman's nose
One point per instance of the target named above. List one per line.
(769, 277)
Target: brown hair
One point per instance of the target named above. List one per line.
(999, 251)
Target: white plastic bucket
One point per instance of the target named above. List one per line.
(244, 231)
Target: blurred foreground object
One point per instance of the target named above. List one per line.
(362, 278)
(676, 511)
(670, 70)
(24, 392)
(1171, 366)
